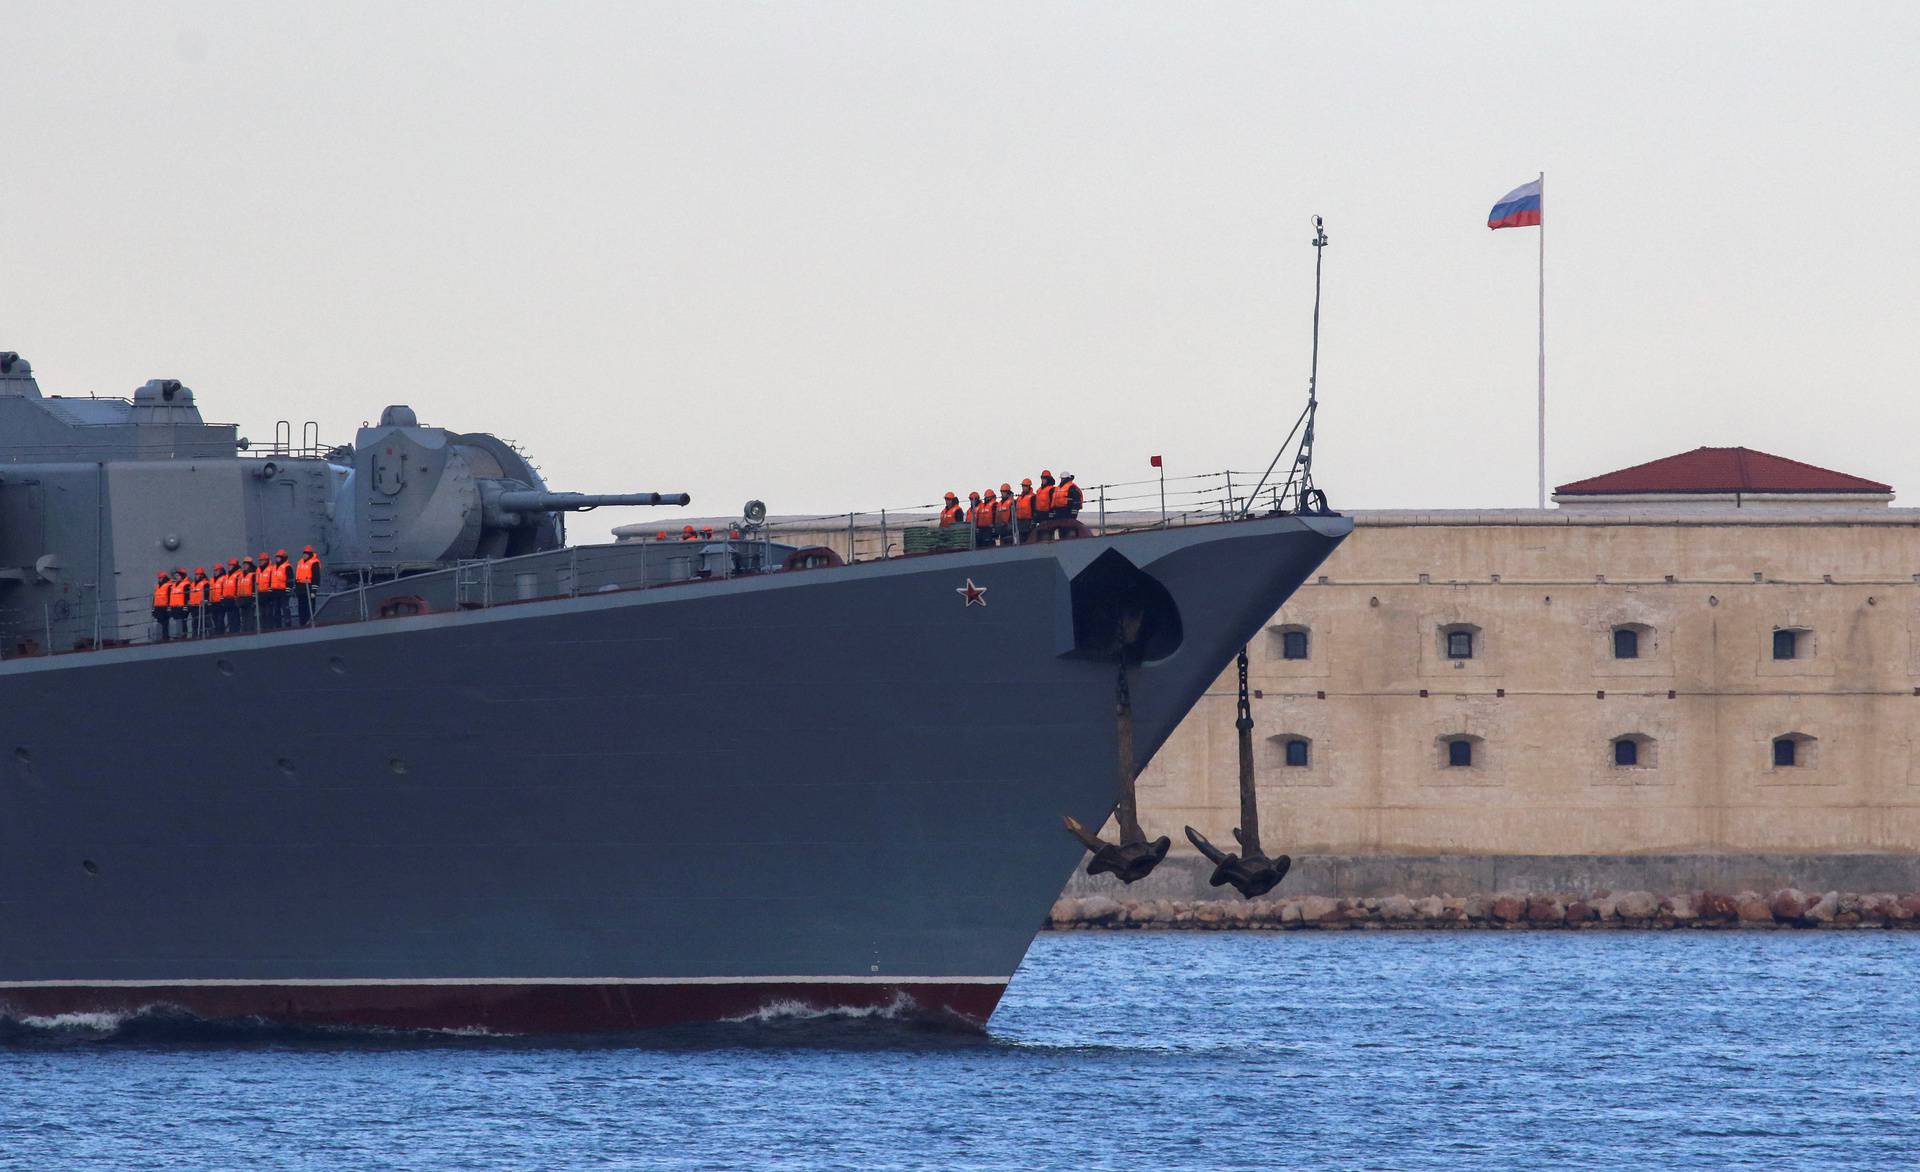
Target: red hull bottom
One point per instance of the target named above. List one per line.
(506, 1008)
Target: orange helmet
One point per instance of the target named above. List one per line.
(1044, 473)
(199, 569)
(973, 496)
(163, 575)
(263, 555)
(279, 553)
(660, 536)
(233, 561)
(306, 549)
(686, 529)
(1026, 482)
(1006, 488)
(952, 497)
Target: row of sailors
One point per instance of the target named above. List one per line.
(243, 595)
(704, 533)
(1011, 517)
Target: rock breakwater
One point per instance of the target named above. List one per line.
(1786, 908)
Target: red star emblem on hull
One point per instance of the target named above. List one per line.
(972, 593)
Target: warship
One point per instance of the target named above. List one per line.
(501, 783)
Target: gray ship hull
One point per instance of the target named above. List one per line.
(838, 788)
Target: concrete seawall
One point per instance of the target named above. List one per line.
(1184, 876)
(1654, 891)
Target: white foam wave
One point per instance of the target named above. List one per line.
(96, 1023)
(787, 1009)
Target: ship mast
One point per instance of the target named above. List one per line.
(1299, 486)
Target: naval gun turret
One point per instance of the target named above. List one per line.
(102, 496)
(420, 497)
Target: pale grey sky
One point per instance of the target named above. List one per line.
(844, 255)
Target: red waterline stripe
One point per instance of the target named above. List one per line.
(507, 1008)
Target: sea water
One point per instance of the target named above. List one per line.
(1470, 1050)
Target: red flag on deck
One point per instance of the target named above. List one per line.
(1155, 461)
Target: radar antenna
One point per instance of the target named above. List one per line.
(1299, 486)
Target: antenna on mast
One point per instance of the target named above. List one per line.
(1299, 486)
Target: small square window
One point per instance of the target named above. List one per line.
(1785, 751)
(1293, 645)
(1626, 643)
(1785, 645)
(1297, 753)
(1459, 753)
(1459, 644)
(1626, 752)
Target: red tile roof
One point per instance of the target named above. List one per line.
(1721, 470)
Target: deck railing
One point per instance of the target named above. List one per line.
(85, 620)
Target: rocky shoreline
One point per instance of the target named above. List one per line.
(1786, 908)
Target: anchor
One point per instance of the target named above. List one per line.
(1252, 874)
(1133, 858)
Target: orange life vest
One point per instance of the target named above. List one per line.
(217, 589)
(307, 569)
(983, 515)
(161, 594)
(952, 515)
(277, 576)
(1066, 495)
(263, 578)
(1003, 510)
(1043, 499)
(196, 592)
(177, 594)
(243, 583)
(1023, 506)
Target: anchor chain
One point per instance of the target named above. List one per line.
(1133, 858)
(1252, 874)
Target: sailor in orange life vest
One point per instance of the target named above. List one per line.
(687, 533)
(1003, 516)
(230, 598)
(1023, 511)
(982, 517)
(217, 600)
(234, 618)
(278, 580)
(974, 512)
(951, 513)
(306, 582)
(246, 600)
(162, 615)
(177, 600)
(197, 601)
(263, 589)
(1067, 497)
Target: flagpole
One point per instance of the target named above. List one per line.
(1543, 341)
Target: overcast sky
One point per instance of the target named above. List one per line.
(851, 255)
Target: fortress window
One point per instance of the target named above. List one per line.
(1633, 751)
(1460, 646)
(1785, 750)
(1785, 646)
(1297, 752)
(1626, 645)
(1459, 752)
(1293, 643)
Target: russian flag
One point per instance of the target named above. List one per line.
(1519, 208)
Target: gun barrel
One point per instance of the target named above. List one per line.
(528, 501)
